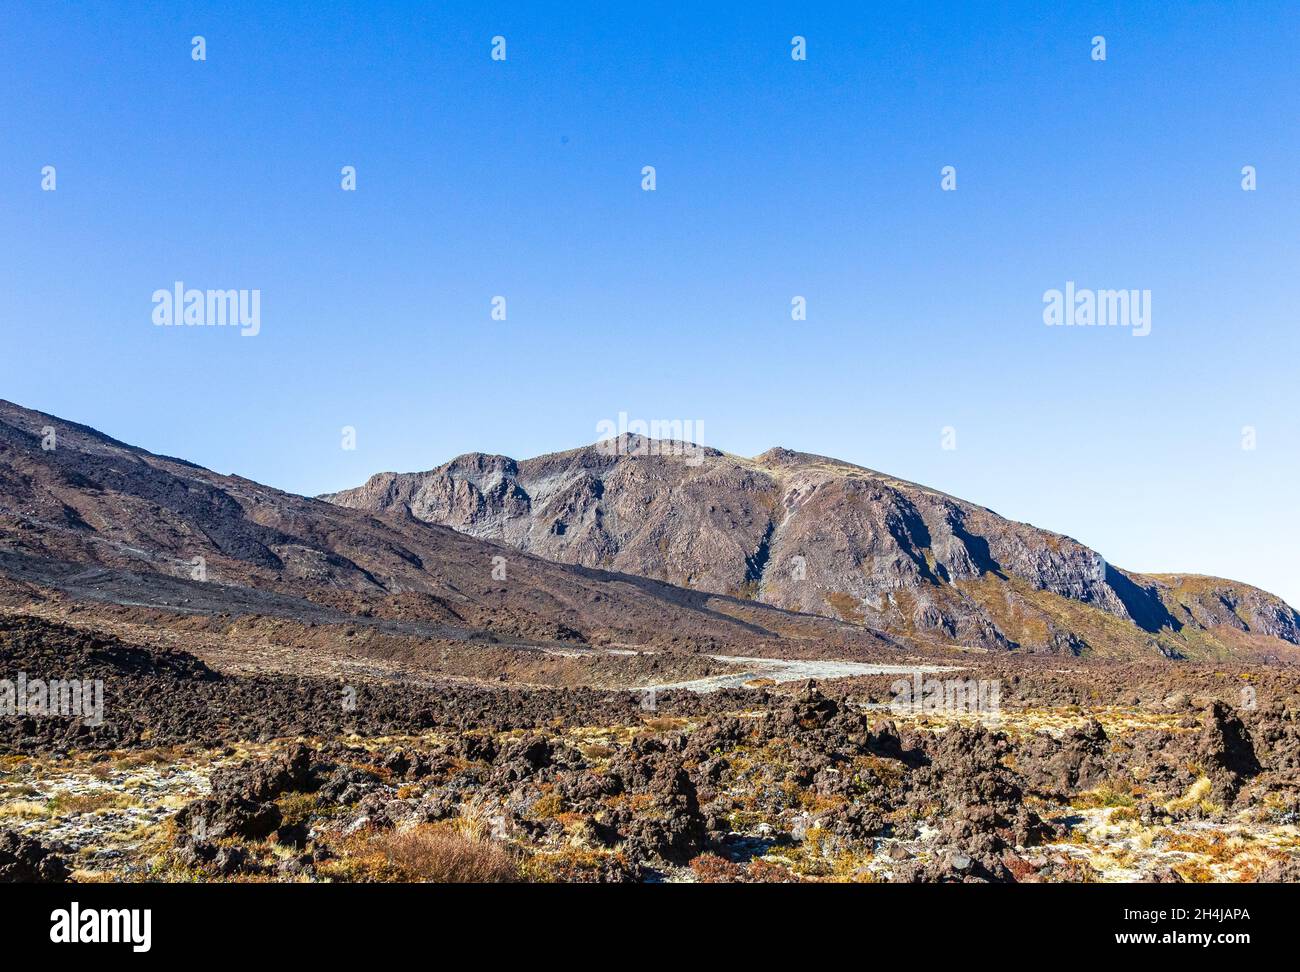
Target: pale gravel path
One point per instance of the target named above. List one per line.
(789, 670)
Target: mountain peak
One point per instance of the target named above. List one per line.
(814, 534)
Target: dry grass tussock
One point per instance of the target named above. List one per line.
(439, 853)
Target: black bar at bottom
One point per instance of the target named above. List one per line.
(330, 920)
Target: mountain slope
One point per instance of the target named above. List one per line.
(813, 534)
(96, 518)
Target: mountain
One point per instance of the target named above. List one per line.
(812, 534)
(88, 518)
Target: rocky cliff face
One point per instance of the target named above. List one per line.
(93, 517)
(813, 534)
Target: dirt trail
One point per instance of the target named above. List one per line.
(789, 670)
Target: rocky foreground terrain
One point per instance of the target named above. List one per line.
(1086, 773)
(298, 690)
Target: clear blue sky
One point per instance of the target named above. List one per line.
(775, 178)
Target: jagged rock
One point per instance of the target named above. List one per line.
(348, 785)
(288, 772)
(228, 816)
(1224, 748)
(28, 861)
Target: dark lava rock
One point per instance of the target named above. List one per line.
(1224, 748)
(348, 785)
(28, 861)
(287, 772)
(228, 816)
(232, 860)
(675, 830)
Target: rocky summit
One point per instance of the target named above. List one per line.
(811, 534)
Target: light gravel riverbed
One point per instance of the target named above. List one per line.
(789, 670)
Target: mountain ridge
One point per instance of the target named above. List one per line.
(146, 521)
(813, 533)
(782, 552)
